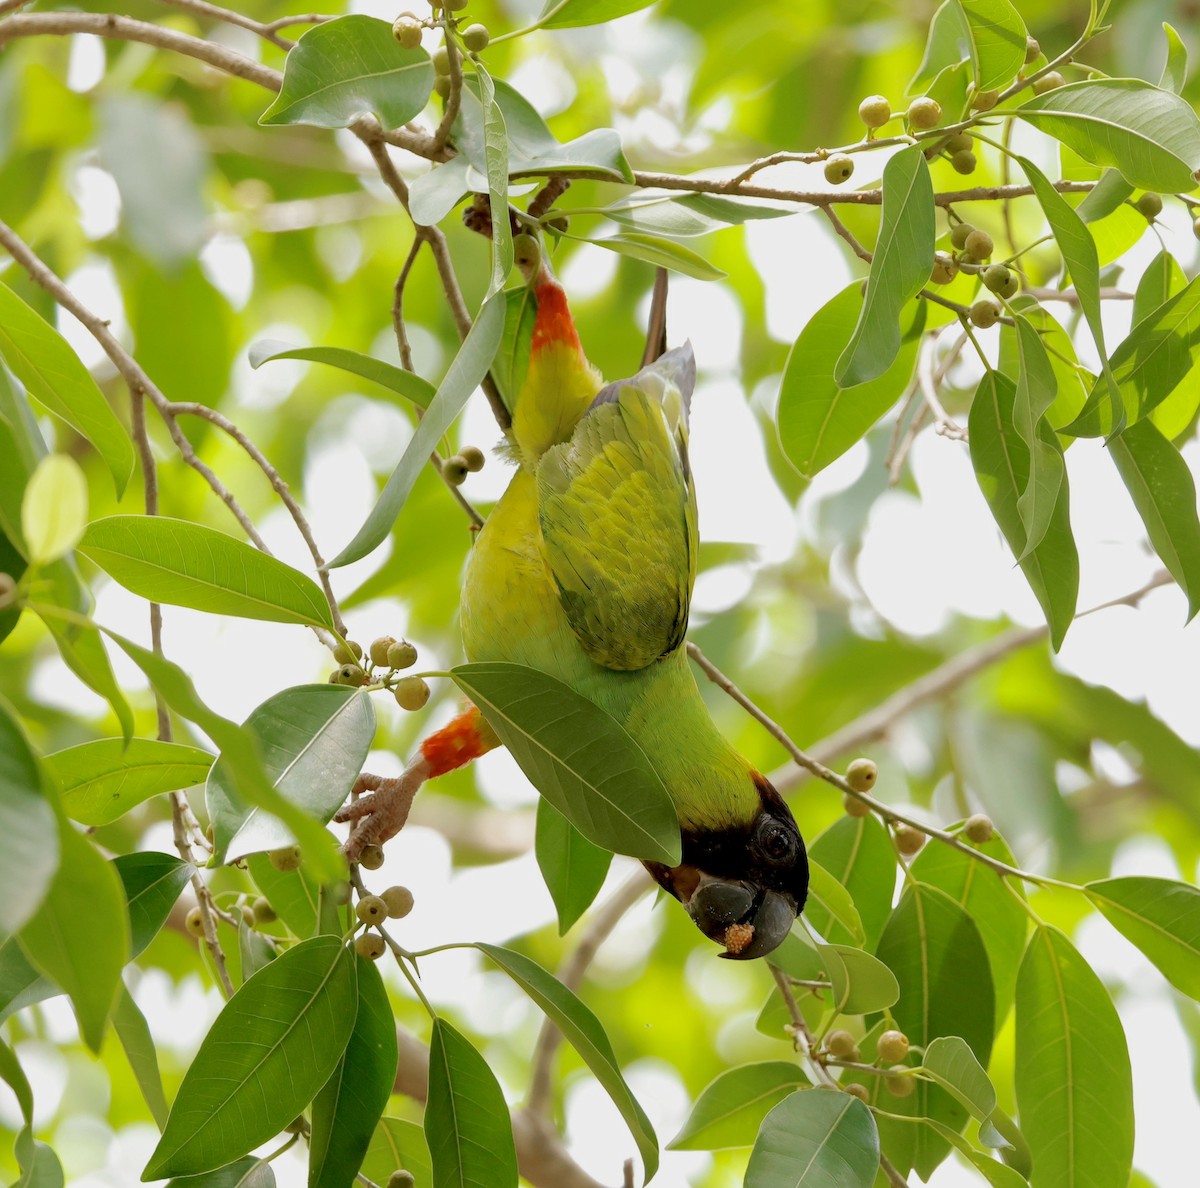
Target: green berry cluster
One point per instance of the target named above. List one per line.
(386, 657)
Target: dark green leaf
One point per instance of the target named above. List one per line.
(466, 1119)
(570, 14)
(578, 757)
(856, 851)
(41, 359)
(663, 253)
(996, 39)
(254, 950)
(1074, 1087)
(901, 267)
(1151, 136)
(815, 1139)
(134, 1033)
(585, 1034)
(349, 1106)
(730, 1110)
(103, 780)
(466, 372)
(819, 420)
(398, 1145)
(20, 983)
(573, 868)
(185, 564)
(386, 375)
(277, 1041)
(1072, 394)
(245, 1173)
(344, 68)
(152, 883)
(314, 740)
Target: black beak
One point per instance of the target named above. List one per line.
(748, 920)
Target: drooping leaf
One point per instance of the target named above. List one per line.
(578, 757)
(512, 359)
(826, 892)
(812, 1139)
(54, 510)
(1037, 387)
(1105, 197)
(346, 67)
(134, 1033)
(950, 1061)
(466, 372)
(1073, 1081)
(467, 1125)
(731, 1108)
(818, 419)
(1161, 917)
(294, 894)
(1174, 74)
(272, 1047)
(21, 984)
(584, 1032)
(152, 883)
(997, 1174)
(314, 740)
(395, 379)
(243, 1173)
(663, 253)
(901, 267)
(856, 851)
(1150, 135)
(1072, 393)
(103, 780)
(996, 40)
(495, 157)
(570, 14)
(14, 1077)
(574, 868)
(41, 359)
(186, 564)
(39, 1164)
(862, 984)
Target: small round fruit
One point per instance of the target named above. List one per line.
(838, 169)
(862, 774)
(527, 252)
(964, 161)
(562, 224)
(1150, 204)
(351, 674)
(996, 277)
(874, 111)
(195, 922)
(348, 652)
(899, 1085)
(853, 807)
(399, 902)
(944, 271)
(924, 113)
(1033, 50)
(401, 655)
(264, 913)
(406, 29)
(841, 1044)
(857, 1090)
(909, 840)
(984, 314)
(476, 37)
(985, 100)
(979, 828)
(441, 86)
(378, 650)
(959, 233)
(892, 1047)
(474, 457)
(371, 909)
(370, 945)
(441, 60)
(1012, 288)
(1196, 227)
(401, 1179)
(454, 470)
(285, 858)
(979, 245)
(1048, 82)
(959, 142)
(411, 693)
(371, 857)
(248, 916)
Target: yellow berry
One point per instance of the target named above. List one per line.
(195, 922)
(411, 693)
(1033, 50)
(401, 655)
(838, 169)
(474, 457)
(862, 774)
(399, 902)
(527, 252)
(964, 162)
(853, 807)
(476, 38)
(406, 29)
(370, 945)
(909, 840)
(924, 113)
(857, 1090)
(1048, 82)
(441, 60)
(441, 86)
(979, 828)
(996, 277)
(958, 142)
(875, 111)
(401, 1179)
(985, 314)
(351, 674)
(348, 652)
(1150, 204)
(944, 271)
(841, 1044)
(899, 1085)
(979, 245)
(985, 100)
(959, 233)
(371, 857)
(454, 470)
(379, 649)
(371, 909)
(264, 913)
(892, 1046)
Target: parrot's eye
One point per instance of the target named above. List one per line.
(776, 842)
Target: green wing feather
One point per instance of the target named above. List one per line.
(618, 516)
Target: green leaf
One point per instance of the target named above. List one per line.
(1037, 387)
(38, 1162)
(946, 46)
(79, 937)
(997, 40)
(13, 479)
(314, 740)
(28, 833)
(398, 1145)
(186, 564)
(152, 883)
(1074, 1087)
(818, 419)
(244, 1173)
(996, 1173)
(573, 868)
(663, 253)
(815, 1139)
(346, 67)
(466, 372)
(1001, 461)
(294, 894)
(950, 1061)
(1151, 136)
(1072, 395)
(54, 510)
(900, 270)
(578, 757)
(1160, 282)
(570, 14)
(664, 213)
(102, 780)
(1174, 74)
(20, 983)
(14, 1077)
(825, 891)
(1160, 483)
(134, 1033)
(349, 1106)
(395, 379)
(254, 950)
(495, 156)
(512, 359)
(272, 1047)
(862, 984)
(41, 359)
(934, 948)
(856, 851)
(1161, 917)
(584, 1032)
(466, 1119)
(1106, 196)
(730, 1110)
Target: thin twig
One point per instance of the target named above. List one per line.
(308, 18)
(656, 324)
(929, 380)
(845, 232)
(894, 1177)
(217, 13)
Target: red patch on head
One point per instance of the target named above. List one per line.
(456, 744)
(554, 323)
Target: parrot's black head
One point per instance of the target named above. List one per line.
(743, 885)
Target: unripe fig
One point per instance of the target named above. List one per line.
(348, 652)
(900, 1085)
(857, 1090)
(924, 113)
(1033, 50)
(454, 470)
(979, 828)
(964, 162)
(441, 86)
(401, 1179)
(370, 945)
(527, 252)
(1150, 204)
(351, 674)
(908, 840)
(985, 314)
(1048, 82)
(248, 916)
(875, 111)
(371, 909)
(838, 169)
(959, 233)
(441, 60)
(959, 142)
(996, 277)
(979, 245)
(285, 858)
(401, 655)
(399, 902)
(406, 29)
(476, 38)
(371, 857)
(411, 693)
(474, 457)
(944, 271)
(195, 922)
(379, 649)
(892, 1047)
(264, 913)
(862, 774)
(841, 1044)
(985, 100)
(853, 807)
(1011, 288)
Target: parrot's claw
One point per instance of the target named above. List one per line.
(381, 813)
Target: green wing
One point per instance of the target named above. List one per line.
(618, 517)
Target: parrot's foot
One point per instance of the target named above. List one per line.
(381, 813)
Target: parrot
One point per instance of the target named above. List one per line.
(584, 570)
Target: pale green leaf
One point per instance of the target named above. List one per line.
(570, 14)
(950, 1061)
(395, 379)
(825, 891)
(55, 508)
(134, 1033)
(815, 1139)
(398, 1145)
(731, 1108)
(862, 984)
(1175, 68)
(663, 253)
(996, 39)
